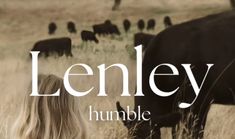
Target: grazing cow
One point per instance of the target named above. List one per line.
(100, 29)
(167, 21)
(52, 28)
(106, 28)
(126, 25)
(71, 27)
(141, 25)
(60, 46)
(208, 40)
(116, 5)
(142, 38)
(88, 36)
(151, 24)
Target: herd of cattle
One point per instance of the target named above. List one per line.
(201, 41)
(62, 46)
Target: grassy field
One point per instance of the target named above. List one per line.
(24, 22)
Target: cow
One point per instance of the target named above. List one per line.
(88, 36)
(116, 5)
(142, 39)
(52, 28)
(106, 28)
(100, 29)
(71, 27)
(167, 21)
(60, 46)
(141, 25)
(151, 24)
(126, 25)
(200, 41)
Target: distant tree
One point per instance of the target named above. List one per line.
(116, 5)
(232, 2)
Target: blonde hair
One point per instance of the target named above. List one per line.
(53, 117)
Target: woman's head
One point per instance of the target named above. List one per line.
(52, 117)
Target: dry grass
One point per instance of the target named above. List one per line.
(24, 22)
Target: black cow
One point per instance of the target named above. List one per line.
(151, 24)
(71, 27)
(198, 42)
(60, 46)
(106, 28)
(142, 38)
(100, 29)
(103, 28)
(88, 36)
(167, 21)
(141, 25)
(52, 28)
(126, 25)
